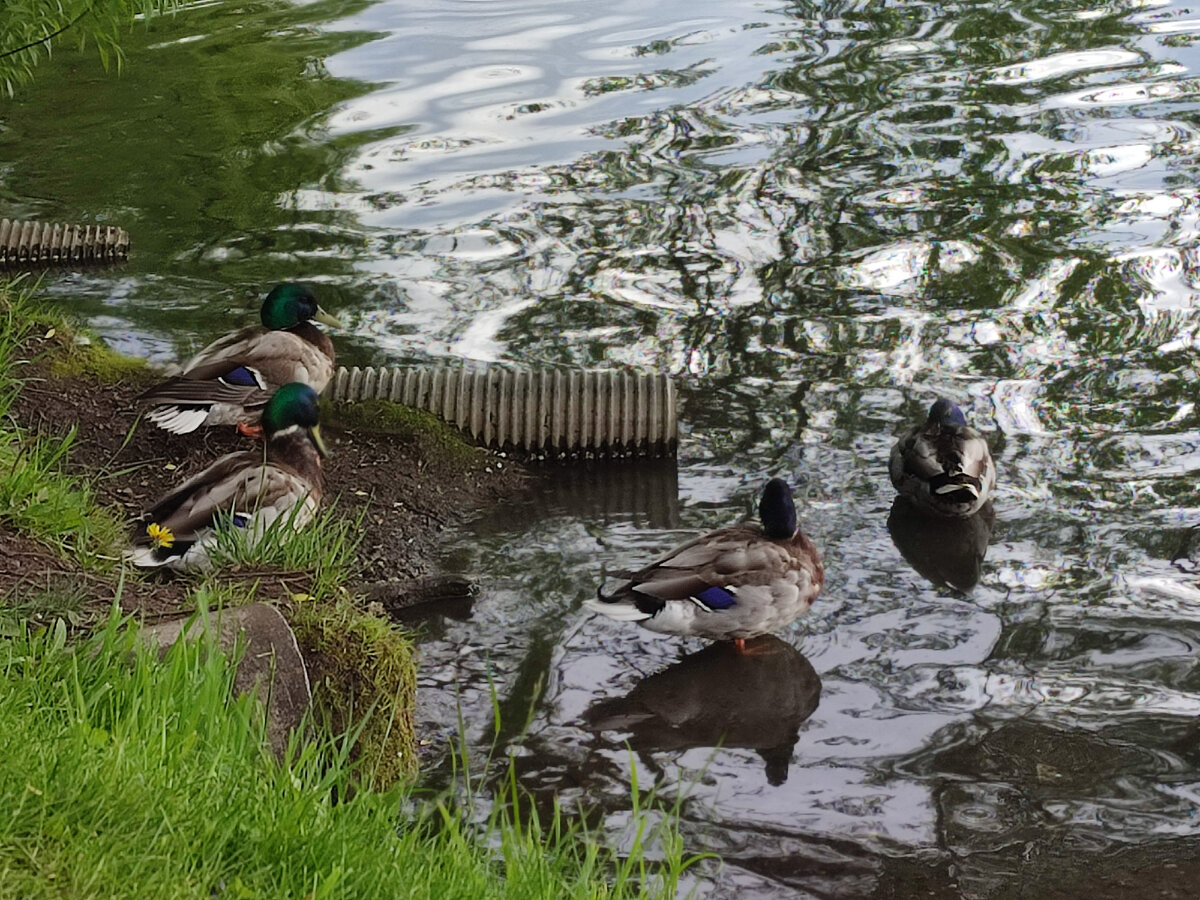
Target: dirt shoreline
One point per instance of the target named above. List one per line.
(407, 486)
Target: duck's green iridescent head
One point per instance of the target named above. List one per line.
(294, 405)
(291, 303)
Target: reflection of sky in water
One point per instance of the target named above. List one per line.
(816, 223)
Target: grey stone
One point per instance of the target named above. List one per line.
(271, 664)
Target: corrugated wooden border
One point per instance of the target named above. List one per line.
(552, 412)
(30, 245)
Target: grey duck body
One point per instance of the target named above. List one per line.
(730, 584)
(944, 465)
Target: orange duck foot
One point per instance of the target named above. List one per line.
(253, 431)
(756, 648)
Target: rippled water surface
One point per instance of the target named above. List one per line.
(816, 216)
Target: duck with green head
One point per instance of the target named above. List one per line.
(249, 491)
(229, 381)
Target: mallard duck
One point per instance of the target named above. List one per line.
(944, 465)
(229, 381)
(249, 490)
(730, 584)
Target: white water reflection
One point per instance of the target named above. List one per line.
(1064, 64)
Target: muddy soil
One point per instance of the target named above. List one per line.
(409, 495)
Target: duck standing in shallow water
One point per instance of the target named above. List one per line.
(944, 466)
(229, 381)
(730, 584)
(250, 490)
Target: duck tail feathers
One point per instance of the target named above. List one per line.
(613, 597)
(146, 558)
(619, 610)
(178, 419)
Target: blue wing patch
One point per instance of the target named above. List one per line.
(240, 521)
(716, 597)
(242, 377)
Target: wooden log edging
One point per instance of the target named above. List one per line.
(36, 245)
(551, 413)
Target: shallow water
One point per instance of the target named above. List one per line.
(817, 217)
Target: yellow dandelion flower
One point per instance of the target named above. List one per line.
(159, 536)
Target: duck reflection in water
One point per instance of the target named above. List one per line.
(718, 697)
(948, 552)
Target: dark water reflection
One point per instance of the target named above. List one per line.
(949, 552)
(719, 697)
(817, 216)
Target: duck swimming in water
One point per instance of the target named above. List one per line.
(944, 465)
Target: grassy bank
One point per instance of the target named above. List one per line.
(36, 498)
(129, 776)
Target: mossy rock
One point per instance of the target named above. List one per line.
(364, 677)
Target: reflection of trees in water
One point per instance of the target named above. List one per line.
(849, 217)
(785, 243)
(1042, 803)
(756, 232)
(198, 151)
